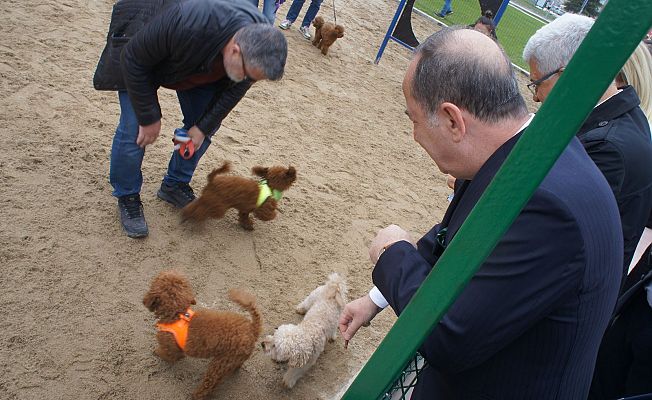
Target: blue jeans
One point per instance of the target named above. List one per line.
(293, 12)
(269, 9)
(447, 7)
(127, 157)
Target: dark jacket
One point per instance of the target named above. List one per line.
(529, 323)
(617, 137)
(153, 43)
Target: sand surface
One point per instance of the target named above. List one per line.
(72, 283)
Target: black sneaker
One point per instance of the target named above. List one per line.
(178, 194)
(132, 216)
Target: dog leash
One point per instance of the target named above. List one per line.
(334, 15)
(183, 143)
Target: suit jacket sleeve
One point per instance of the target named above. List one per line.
(419, 262)
(537, 262)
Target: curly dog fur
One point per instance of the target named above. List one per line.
(225, 337)
(300, 345)
(225, 192)
(326, 33)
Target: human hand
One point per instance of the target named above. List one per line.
(385, 238)
(148, 134)
(355, 314)
(197, 136)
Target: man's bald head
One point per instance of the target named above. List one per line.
(468, 69)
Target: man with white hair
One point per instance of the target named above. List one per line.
(616, 135)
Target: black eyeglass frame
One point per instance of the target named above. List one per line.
(535, 84)
(244, 70)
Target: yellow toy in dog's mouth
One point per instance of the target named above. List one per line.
(266, 192)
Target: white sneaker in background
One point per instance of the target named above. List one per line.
(305, 31)
(285, 24)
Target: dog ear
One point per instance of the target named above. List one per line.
(260, 171)
(151, 302)
(291, 172)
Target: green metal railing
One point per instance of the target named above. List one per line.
(616, 33)
(400, 389)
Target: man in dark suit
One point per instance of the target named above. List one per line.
(529, 323)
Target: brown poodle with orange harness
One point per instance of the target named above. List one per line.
(326, 33)
(246, 195)
(225, 337)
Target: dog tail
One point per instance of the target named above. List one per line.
(248, 302)
(226, 167)
(318, 22)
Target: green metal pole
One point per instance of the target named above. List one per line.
(613, 38)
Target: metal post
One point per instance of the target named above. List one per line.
(390, 31)
(614, 36)
(501, 11)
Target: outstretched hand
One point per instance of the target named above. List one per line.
(355, 314)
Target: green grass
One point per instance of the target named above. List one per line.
(514, 30)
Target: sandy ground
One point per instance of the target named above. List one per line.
(72, 283)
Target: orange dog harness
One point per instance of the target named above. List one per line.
(178, 328)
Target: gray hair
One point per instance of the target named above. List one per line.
(553, 45)
(264, 47)
(449, 70)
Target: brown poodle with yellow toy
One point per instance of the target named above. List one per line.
(248, 196)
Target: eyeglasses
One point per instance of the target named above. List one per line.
(244, 71)
(534, 85)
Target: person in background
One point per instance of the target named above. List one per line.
(447, 9)
(624, 366)
(293, 13)
(529, 322)
(486, 25)
(637, 72)
(210, 52)
(269, 8)
(616, 135)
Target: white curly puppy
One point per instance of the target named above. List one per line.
(300, 345)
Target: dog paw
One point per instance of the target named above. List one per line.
(289, 382)
(301, 310)
(199, 395)
(247, 227)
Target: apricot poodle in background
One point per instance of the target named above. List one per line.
(225, 337)
(244, 194)
(326, 33)
(300, 345)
